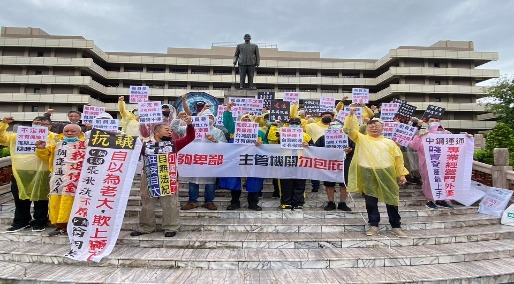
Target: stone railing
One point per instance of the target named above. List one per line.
(498, 175)
(5, 170)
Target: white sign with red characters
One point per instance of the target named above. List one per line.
(360, 95)
(26, 138)
(150, 112)
(388, 111)
(326, 104)
(291, 138)
(342, 114)
(201, 124)
(403, 134)
(246, 132)
(67, 165)
(138, 94)
(90, 112)
(293, 97)
(106, 124)
(336, 138)
(389, 129)
(219, 114)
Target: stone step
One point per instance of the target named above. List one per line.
(267, 212)
(276, 258)
(482, 271)
(289, 240)
(357, 223)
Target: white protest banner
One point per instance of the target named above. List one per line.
(389, 129)
(327, 104)
(342, 114)
(293, 97)
(336, 138)
(219, 114)
(67, 165)
(469, 197)
(160, 168)
(102, 194)
(388, 111)
(26, 138)
(246, 132)
(90, 112)
(138, 94)
(106, 124)
(254, 106)
(403, 134)
(447, 156)
(265, 161)
(360, 95)
(150, 112)
(291, 138)
(201, 124)
(495, 201)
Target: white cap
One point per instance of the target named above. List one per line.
(207, 112)
(104, 115)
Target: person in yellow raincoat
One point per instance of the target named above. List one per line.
(375, 170)
(30, 182)
(129, 119)
(65, 163)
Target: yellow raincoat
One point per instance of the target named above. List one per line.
(32, 175)
(60, 201)
(376, 165)
(129, 123)
(273, 138)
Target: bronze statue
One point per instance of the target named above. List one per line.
(247, 56)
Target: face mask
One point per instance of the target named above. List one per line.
(336, 126)
(136, 113)
(165, 138)
(269, 123)
(166, 113)
(326, 120)
(70, 140)
(434, 124)
(294, 126)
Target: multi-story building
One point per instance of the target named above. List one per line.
(40, 71)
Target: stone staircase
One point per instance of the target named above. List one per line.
(275, 246)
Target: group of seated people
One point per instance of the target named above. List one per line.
(374, 165)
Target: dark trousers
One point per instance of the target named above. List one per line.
(292, 192)
(22, 216)
(246, 70)
(315, 184)
(253, 199)
(235, 194)
(276, 188)
(374, 214)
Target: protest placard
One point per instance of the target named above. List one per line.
(90, 112)
(26, 138)
(161, 168)
(327, 104)
(138, 94)
(342, 114)
(293, 97)
(388, 111)
(336, 138)
(280, 110)
(266, 97)
(291, 138)
(311, 107)
(405, 113)
(201, 124)
(360, 95)
(433, 111)
(106, 124)
(150, 112)
(246, 132)
(403, 134)
(389, 129)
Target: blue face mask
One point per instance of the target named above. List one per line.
(294, 125)
(70, 140)
(270, 123)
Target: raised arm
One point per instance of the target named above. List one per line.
(351, 126)
(185, 106)
(5, 138)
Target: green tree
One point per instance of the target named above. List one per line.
(503, 95)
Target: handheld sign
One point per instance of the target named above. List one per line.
(138, 94)
(433, 111)
(360, 95)
(399, 101)
(26, 138)
(254, 106)
(293, 97)
(405, 113)
(311, 107)
(388, 111)
(219, 115)
(389, 129)
(342, 114)
(291, 138)
(279, 110)
(106, 124)
(403, 134)
(150, 112)
(326, 104)
(246, 132)
(201, 124)
(90, 112)
(266, 97)
(336, 138)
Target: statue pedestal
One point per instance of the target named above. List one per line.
(240, 93)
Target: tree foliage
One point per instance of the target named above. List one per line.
(503, 105)
(502, 136)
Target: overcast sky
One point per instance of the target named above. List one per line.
(336, 28)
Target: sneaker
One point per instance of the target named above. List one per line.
(14, 229)
(344, 207)
(431, 205)
(286, 206)
(57, 232)
(189, 206)
(372, 231)
(38, 228)
(136, 233)
(210, 206)
(255, 207)
(398, 232)
(275, 194)
(234, 206)
(444, 203)
(170, 234)
(330, 206)
(297, 207)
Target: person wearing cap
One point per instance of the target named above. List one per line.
(375, 171)
(253, 185)
(215, 136)
(292, 191)
(315, 131)
(330, 186)
(434, 126)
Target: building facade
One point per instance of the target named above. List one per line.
(40, 71)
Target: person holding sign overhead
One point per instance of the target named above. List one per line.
(162, 144)
(129, 119)
(31, 176)
(375, 171)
